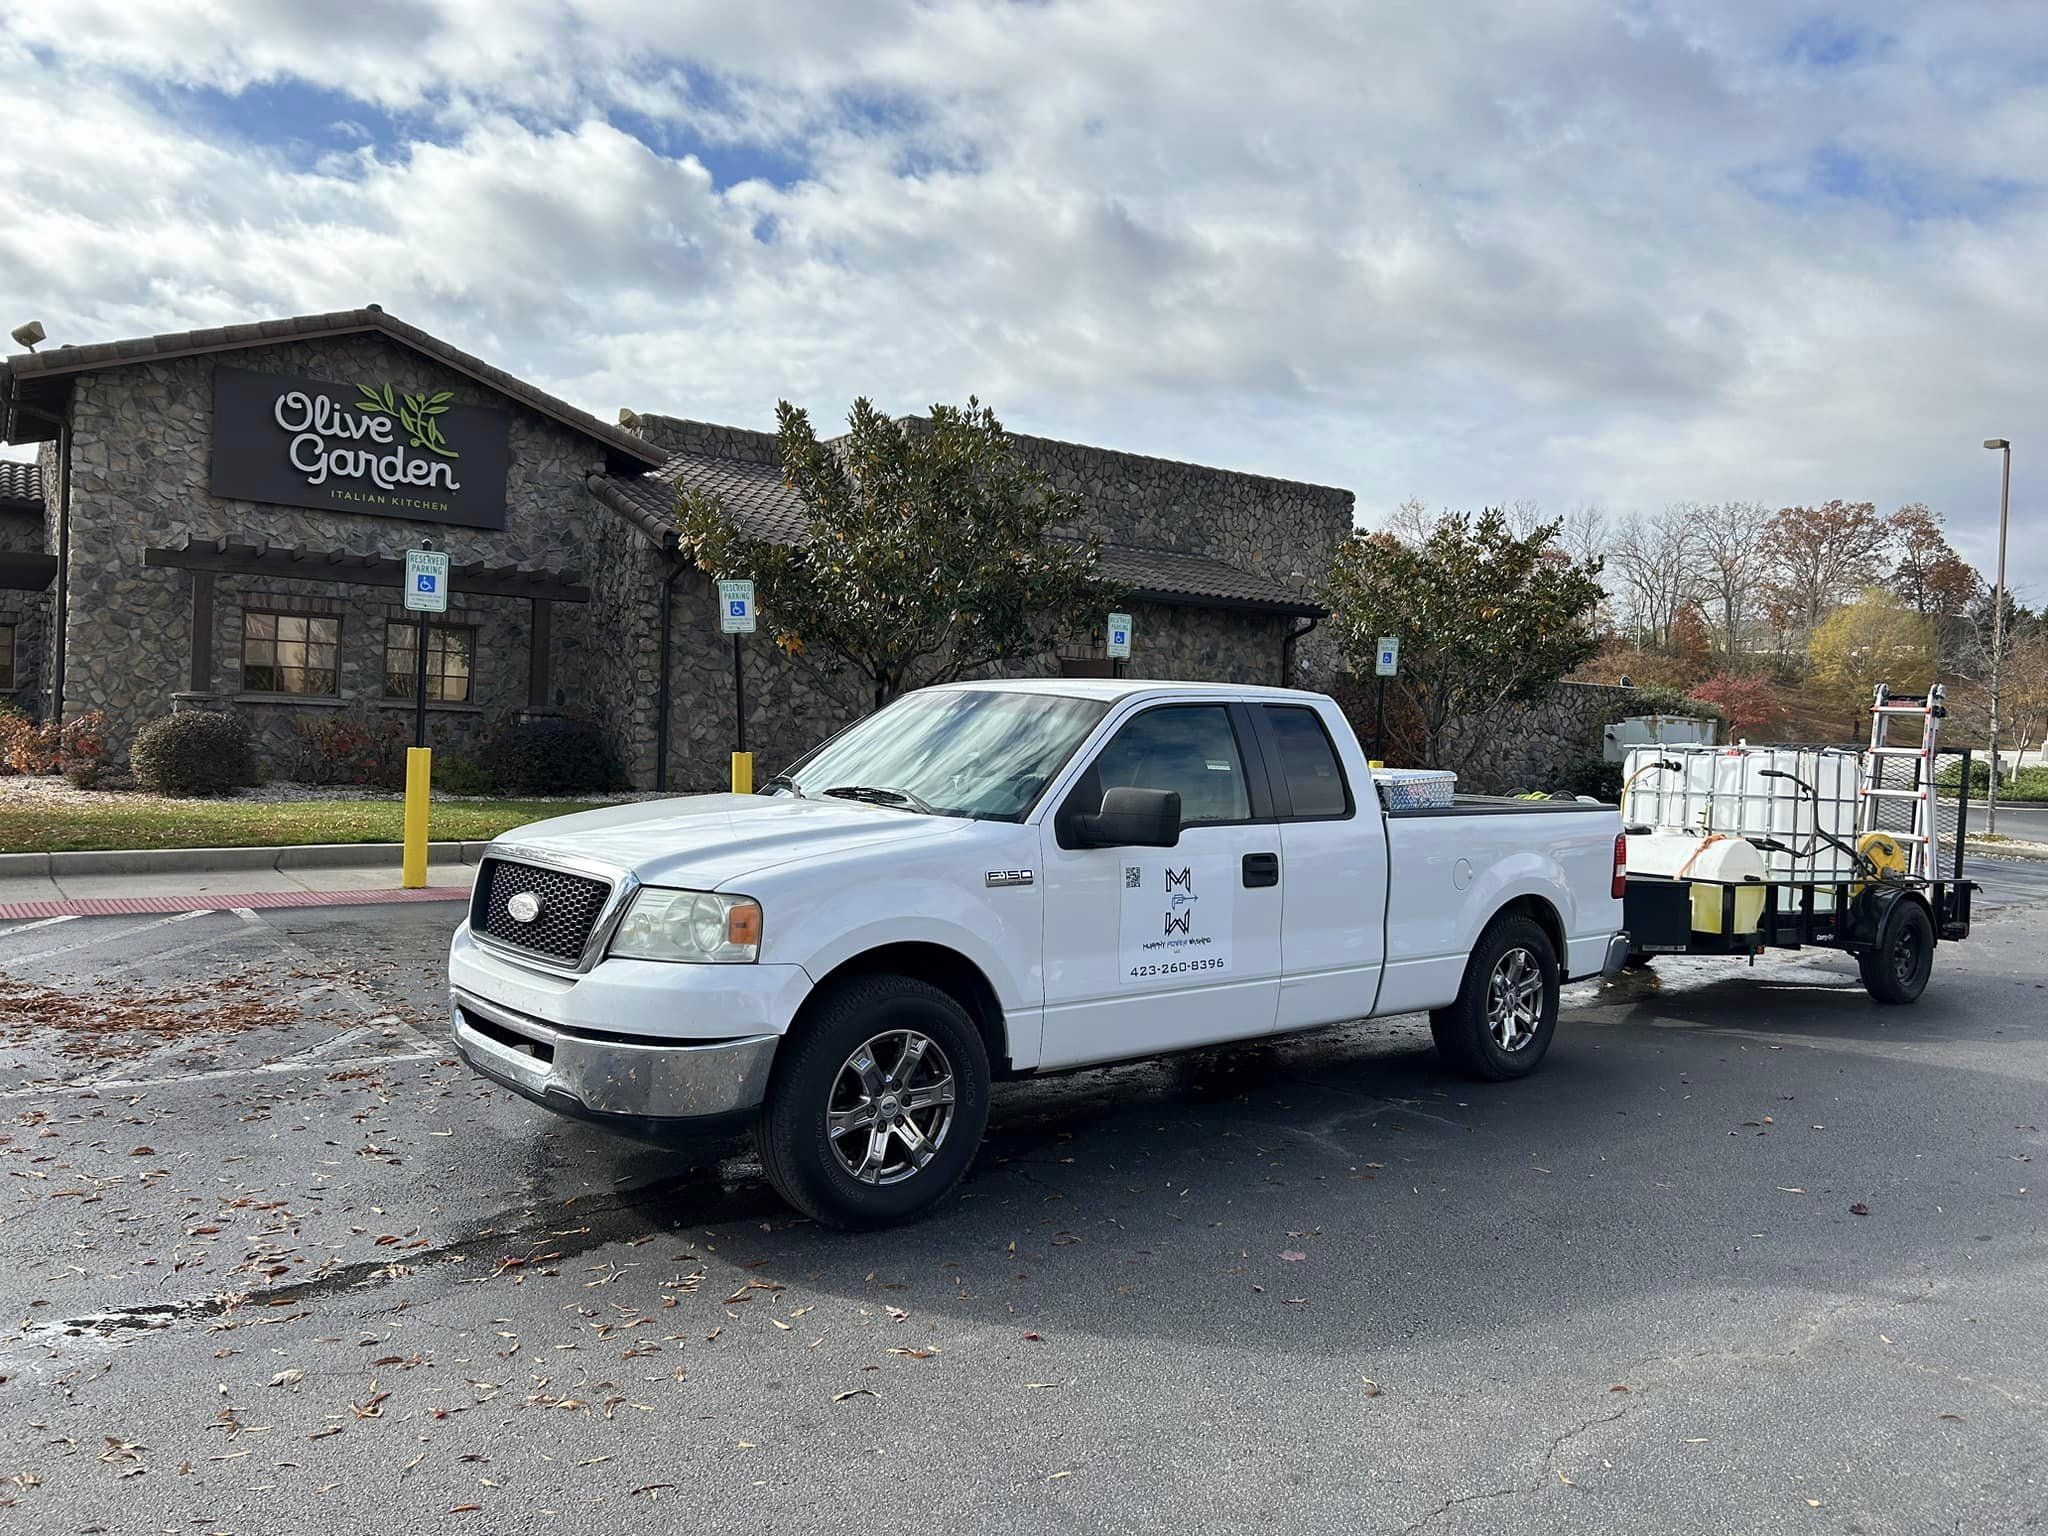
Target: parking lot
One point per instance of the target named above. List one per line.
(1748, 1254)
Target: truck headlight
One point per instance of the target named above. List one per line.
(697, 926)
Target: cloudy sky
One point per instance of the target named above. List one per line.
(1619, 251)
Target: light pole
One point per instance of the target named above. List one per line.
(1998, 625)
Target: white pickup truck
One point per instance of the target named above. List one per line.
(990, 880)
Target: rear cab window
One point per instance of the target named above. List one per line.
(1304, 761)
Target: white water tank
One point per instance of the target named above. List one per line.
(1798, 801)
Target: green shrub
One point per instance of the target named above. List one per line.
(551, 757)
(1593, 776)
(458, 775)
(193, 752)
(340, 750)
(1951, 777)
(1657, 699)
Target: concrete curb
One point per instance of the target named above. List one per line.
(2033, 852)
(205, 861)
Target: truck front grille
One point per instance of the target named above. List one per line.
(568, 908)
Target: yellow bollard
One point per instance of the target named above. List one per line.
(743, 773)
(1376, 763)
(419, 774)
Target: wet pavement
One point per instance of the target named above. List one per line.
(1750, 1253)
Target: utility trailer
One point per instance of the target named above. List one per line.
(1839, 850)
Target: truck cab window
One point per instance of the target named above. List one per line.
(1190, 749)
(1308, 762)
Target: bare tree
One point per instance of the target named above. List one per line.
(1660, 563)
(1733, 552)
(1411, 522)
(1585, 533)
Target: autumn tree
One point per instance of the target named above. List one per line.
(1657, 563)
(1820, 554)
(1750, 704)
(929, 550)
(1930, 576)
(1876, 639)
(1486, 619)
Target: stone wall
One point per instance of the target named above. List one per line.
(678, 434)
(140, 455)
(1530, 746)
(793, 705)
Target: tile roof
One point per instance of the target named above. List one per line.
(21, 483)
(757, 496)
(24, 370)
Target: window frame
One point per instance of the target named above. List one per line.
(401, 626)
(258, 610)
(1276, 765)
(10, 655)
(1083, 796)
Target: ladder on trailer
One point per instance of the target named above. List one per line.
(1897, 792)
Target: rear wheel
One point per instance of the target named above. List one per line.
(878, 1102)
(1896, 971)
(1506, 1011)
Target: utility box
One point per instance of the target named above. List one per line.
(1657, 731)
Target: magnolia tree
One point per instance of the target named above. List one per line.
(1486, 618)
(929, 551)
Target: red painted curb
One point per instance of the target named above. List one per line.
(129, 906)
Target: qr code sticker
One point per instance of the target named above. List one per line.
(1133, 877)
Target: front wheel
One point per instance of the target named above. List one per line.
(1896, 971)
(1506, 1010)
(878, 1102)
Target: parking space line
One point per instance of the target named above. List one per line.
(300, 1063)
(41, 922)
(101, 937)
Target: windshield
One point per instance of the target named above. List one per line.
(986, 755)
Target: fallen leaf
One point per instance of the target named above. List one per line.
(1372, 1388)
(840, 1397)
(1954, 1418)
(896, 1314)
(912, 1354)
(289, 1377)
(1034, 1338)
(1859, 1209)
(1617, 1389)
(143, 1152)
(1292, 1255)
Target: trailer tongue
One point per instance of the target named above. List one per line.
(1732, 850)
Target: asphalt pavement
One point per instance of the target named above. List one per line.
(1749, 1254)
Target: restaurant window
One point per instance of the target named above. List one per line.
(451, 649)
(7, 678)
(291, 653)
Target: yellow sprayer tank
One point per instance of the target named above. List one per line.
(1708, 862)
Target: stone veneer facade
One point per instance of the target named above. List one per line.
(141, 447)
(141, 444)
(1272, 528)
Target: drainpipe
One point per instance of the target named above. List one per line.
(668, 588)
(62, 608)
(1287, 650)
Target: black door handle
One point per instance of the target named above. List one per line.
(1261, 869)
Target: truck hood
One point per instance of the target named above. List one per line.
(704, 841)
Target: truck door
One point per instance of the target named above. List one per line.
(1334, 850)
(1156, 949)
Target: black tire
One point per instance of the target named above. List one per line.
(797, 1148)
(1464, 1031)
(1896, 972)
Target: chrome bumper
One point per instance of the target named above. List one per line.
(640, 1086)
(1617, 955)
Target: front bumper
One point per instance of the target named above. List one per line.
(655, 1091)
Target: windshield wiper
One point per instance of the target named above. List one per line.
(784, 781)
(874, 794)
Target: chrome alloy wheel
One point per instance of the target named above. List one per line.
(1514, 999)
(891, 1107)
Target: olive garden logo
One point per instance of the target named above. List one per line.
(386, 437)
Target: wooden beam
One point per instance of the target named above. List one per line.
(363, 571)
(202, 632)
(540, 639)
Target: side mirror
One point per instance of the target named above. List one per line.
(1132, 818)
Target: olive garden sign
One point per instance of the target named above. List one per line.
(363, 447)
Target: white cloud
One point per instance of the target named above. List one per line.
(1574, 250)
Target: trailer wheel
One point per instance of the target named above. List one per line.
(1896, 971)
(1506, 1011)
(877, 1105)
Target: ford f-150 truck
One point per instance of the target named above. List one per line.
(990, 880)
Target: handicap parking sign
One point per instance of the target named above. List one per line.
(736, 607)
(426, 581)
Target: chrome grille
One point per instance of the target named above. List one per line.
(569, 907)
